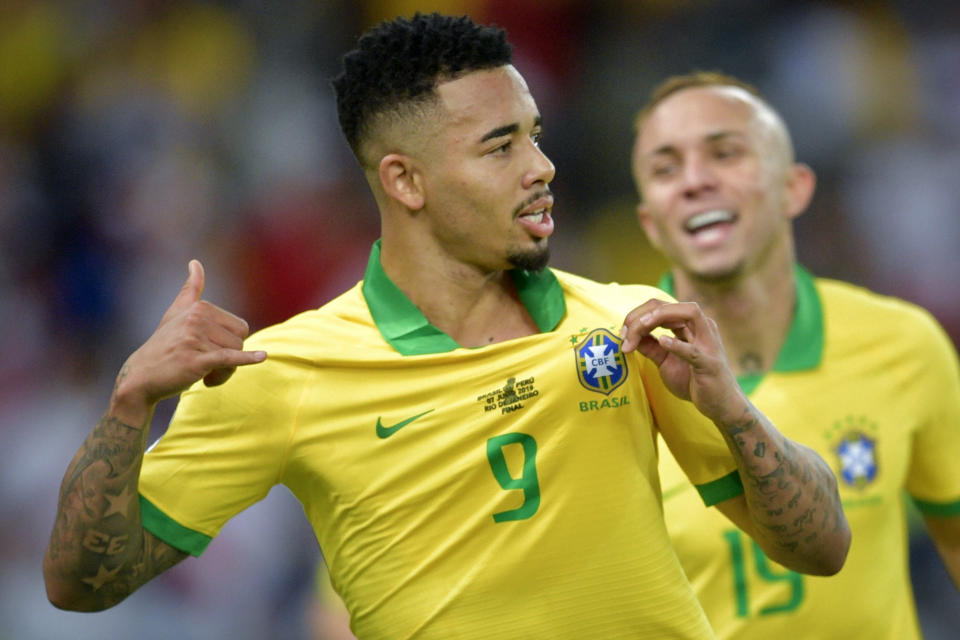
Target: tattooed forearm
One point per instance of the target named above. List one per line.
(103, 543)
(98, 552)
(114, 443)
(790, 491)
(110, 582)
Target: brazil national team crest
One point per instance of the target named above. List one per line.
(858, 459)
(601, 366)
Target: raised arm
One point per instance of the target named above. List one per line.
(790, 505)
(99, 552)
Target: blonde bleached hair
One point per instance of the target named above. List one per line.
(674, 84)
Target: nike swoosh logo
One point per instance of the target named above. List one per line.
(386, 432)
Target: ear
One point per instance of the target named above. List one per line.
(646, 222)
(401, 181)
(801, 183)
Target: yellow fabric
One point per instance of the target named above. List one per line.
(409, 522)
(889, 376)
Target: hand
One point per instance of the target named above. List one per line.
(194, 340)
(692, 361)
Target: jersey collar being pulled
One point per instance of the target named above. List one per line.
(408, 331)
(803, 348)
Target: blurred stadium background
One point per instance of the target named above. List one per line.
(135, 134)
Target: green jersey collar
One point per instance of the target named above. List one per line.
(803, 348)
(409, 332)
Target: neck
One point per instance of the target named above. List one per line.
(473, 306)
(754, 313)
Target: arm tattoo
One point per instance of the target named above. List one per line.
(792, 493)
(113, 442)
(751, 363)
(98, 542)
(111, 582)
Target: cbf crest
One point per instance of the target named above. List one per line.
(601, 365)
(854, 441)
(858, 459)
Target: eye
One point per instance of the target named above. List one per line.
(503, 148)
(725, 152)
(663, 169)
(537, 137)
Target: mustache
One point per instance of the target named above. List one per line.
(526, 203)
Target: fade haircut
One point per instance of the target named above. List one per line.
(395, 69)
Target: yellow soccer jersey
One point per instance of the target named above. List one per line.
(872, 384)
(508, 491)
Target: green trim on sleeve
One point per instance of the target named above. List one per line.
(941, 509)
(173, 533)
(729, 486)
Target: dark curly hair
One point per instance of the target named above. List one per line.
(399, 63)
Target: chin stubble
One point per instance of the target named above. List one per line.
(533, 260)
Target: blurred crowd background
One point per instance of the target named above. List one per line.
(136, 134)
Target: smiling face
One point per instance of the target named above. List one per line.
(717, 181)
(484, 178)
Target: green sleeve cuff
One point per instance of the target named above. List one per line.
(942, 509)
(173, 533)
(729, 486)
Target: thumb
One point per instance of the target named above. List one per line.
(192, 289)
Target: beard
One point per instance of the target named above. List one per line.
(532, 260)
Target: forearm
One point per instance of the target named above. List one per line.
(791, 506)
(98, 552)
(791, 494)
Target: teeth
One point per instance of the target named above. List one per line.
(707, 218)
(535, 216)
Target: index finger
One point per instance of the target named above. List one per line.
(655, 314)
(671, 315)
(635, 314)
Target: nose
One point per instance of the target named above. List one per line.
(697, 175)
(541, 169)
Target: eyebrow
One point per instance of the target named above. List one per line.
(507, 130)
(713, 137)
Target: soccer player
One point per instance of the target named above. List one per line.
(471, 434)
(870, 382)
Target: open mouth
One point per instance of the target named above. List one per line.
(535, 216)
(709, 219)
(538, 222)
